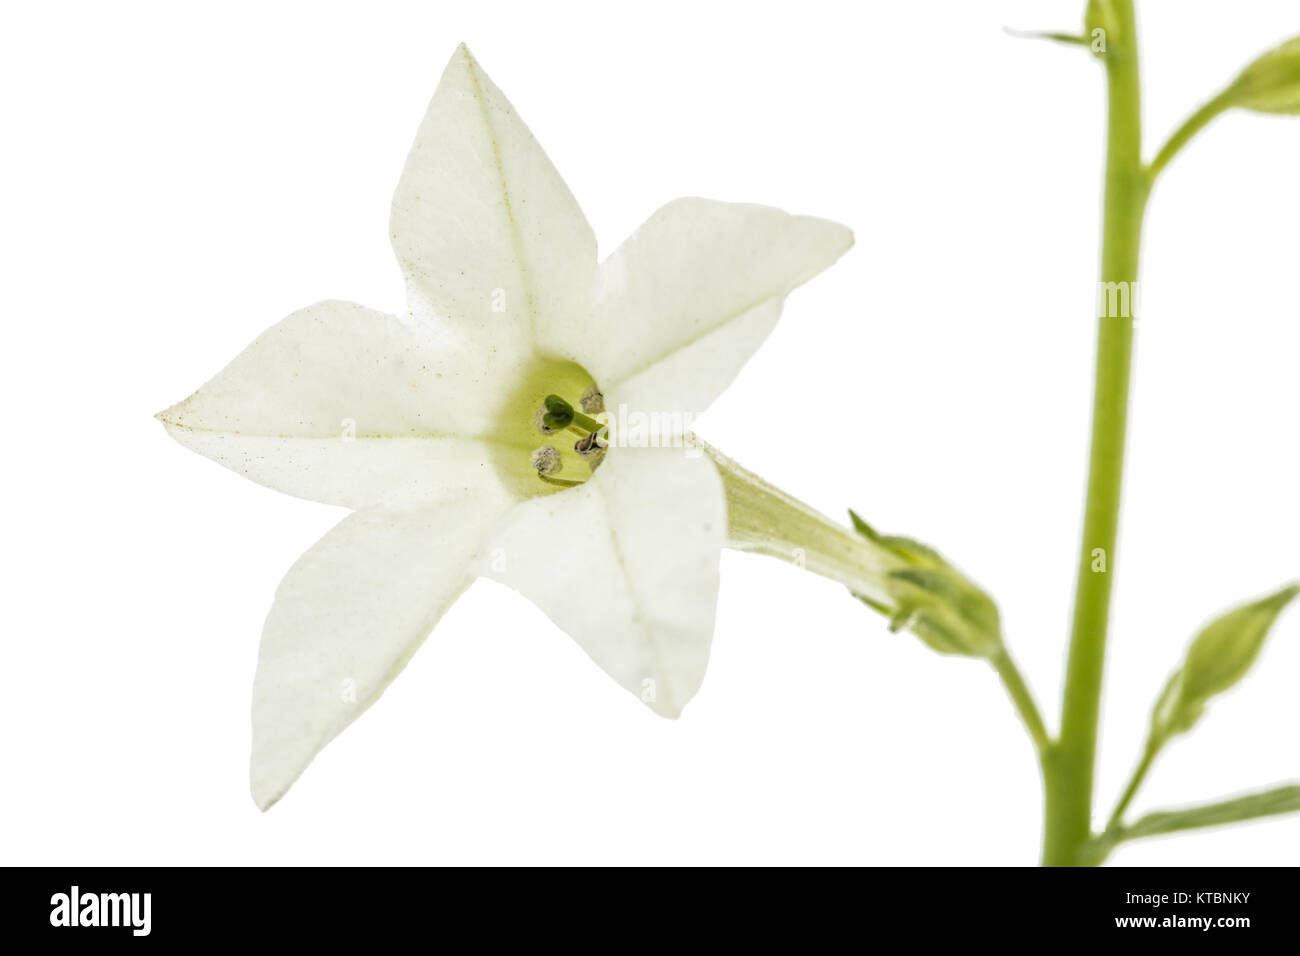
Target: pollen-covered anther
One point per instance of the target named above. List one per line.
(592, 402)
(547, 460)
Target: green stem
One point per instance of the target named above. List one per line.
(1069, 770)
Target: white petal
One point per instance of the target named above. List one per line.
(686, 300)
(689, 379)
(342, 404)
(627, 564)
(346, 619)
(485, 231)
(354, 474)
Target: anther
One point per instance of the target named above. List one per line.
(547, 460)
(590, 448)
(592, 402)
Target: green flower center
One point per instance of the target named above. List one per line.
(547, 439)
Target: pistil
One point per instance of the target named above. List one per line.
(560, 415)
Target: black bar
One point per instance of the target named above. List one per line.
(1045, 908)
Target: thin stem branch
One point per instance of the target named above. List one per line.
(1181, 136)
(1021, 696)
(1135, 781)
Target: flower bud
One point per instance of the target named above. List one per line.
(1219, 656)
(1272, 83)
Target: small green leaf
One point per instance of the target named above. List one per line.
(1219, 657)
(1266, 804)
(1271, 84)
(1056, 36)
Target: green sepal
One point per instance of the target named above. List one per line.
(875, 605)
(908, 548)
(862, 528)
(934, 600)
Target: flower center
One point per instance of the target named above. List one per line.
(549, 437)
(558, 417)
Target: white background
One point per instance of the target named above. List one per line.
(178, 177)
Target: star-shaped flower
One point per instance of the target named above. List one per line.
(466, 433)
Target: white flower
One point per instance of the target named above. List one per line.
(424, 423)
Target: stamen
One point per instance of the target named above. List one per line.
(547, 460)
(590, 448)
(592, 402)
